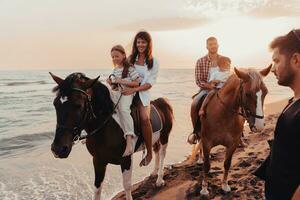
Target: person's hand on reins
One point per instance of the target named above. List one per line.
(128, 91)
(108, 81)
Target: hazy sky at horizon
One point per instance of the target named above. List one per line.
(69, 34)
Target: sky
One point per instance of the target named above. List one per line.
(78, 34)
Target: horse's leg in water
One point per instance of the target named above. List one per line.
(227, 163)
(126, 167)
(162, 154)
(100, 169)
(206, 151)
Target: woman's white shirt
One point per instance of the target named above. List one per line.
(147, 76)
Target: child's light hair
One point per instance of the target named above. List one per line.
(223, 60)
(125, 62)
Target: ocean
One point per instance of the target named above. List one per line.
(28, 169)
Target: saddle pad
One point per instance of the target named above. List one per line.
(155, 119)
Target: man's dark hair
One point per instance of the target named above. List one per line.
(211, 38)
(287, 44)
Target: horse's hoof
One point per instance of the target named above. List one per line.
(192, 139)
(200, 161)
(160, 183)
(204, 192)
(154, 173)
(225, 187)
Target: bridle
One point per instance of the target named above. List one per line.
(88, 115)
(245, 112)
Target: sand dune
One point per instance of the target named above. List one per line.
(182, 179)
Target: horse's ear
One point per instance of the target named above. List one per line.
(88, 84)
(265, 71)
(242, 75)
(56, 79)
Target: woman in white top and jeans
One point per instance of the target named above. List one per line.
(147, 67)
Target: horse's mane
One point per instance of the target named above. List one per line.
(256, 78)
(101, 101)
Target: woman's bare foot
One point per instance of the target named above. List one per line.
(146, 160)
(129, 146)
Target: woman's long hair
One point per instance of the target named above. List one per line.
(125, 62)
(134, 53)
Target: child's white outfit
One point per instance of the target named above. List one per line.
(203, 92)
(123, 108)
(219, 75)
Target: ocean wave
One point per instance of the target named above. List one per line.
(17, 83)
(15, 144)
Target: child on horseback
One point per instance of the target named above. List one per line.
(125, 76)
(217, 79)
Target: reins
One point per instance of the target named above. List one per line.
(245, 112)
(88, 112)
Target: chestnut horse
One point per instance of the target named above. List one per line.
(241, 98)
(85, 104)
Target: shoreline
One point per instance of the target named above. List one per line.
(182, 179)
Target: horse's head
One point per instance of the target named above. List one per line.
(73, 109)
(252, 95)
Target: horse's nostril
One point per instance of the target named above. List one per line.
(64, 149)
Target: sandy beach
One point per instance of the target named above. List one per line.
(182, 179)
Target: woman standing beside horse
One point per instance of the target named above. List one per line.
(147, 67)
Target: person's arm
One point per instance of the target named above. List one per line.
(200, 78)
(128, 83)
(149, 82)
(296, 195)
(134, 78)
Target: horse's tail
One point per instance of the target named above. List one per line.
(166, 110)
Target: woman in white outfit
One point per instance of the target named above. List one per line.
(147, 67)
(125, 76)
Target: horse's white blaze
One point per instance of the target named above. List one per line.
(162, 154)
(127, 176)
(63, 99)
(97, 195)
(259, 123)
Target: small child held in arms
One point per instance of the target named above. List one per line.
(217, 79)
(125, 76)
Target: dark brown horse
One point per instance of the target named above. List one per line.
(85, 104)
(241, 98)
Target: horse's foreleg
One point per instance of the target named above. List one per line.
(100, 169)
(206, 152)
(227, 163)
(126, 167)
(156, 149)
(162, 154)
